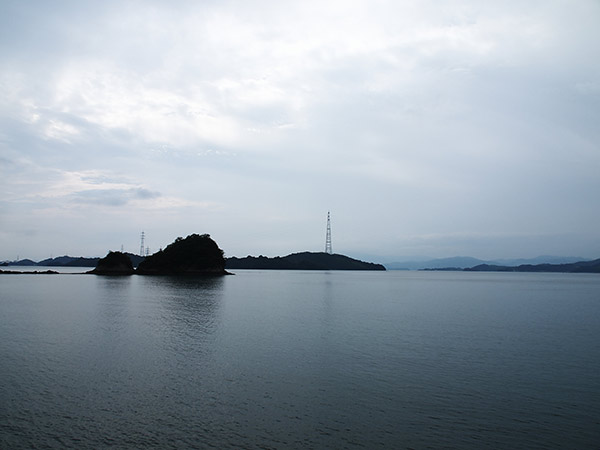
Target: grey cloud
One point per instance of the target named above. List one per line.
(113, 197)
(106, 197)
(144, 193)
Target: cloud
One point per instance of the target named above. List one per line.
(145, 194)
(32, 182)
(405, 118)
(107, 197)
(113, 197)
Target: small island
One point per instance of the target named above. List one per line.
(302, 261)
(196, 254)
(115, 263)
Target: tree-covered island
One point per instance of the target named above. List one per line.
(196, 254)
(302, 261)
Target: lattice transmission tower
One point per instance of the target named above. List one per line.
(142, 244)
(328, 235)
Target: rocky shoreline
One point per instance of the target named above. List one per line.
(34, 272)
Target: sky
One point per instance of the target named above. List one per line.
(427, 128)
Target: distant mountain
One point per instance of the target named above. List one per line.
(544, 259)
(21, 262)
(301, 261)
(465, 262)
(457, 262)
(577, 267)
(69, 261)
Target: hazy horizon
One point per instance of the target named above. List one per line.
(427, 128)
(360, 256)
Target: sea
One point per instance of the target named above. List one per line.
(300, 360)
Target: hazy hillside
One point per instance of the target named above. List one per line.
(69, 261)
(302, 261)
(464, 262)
(578, 267)
(459, 262)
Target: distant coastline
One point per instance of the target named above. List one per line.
(158, 263)
(67, 261)
(29, 272)
(467, 262)
(578, 267)
(324, 261)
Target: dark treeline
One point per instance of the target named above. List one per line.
(301, 261)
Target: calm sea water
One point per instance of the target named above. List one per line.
(279, 359)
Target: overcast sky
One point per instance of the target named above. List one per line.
(427, 128)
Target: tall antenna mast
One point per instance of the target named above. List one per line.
(328, 236)
(142, 245)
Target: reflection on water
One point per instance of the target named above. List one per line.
(186, 310)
